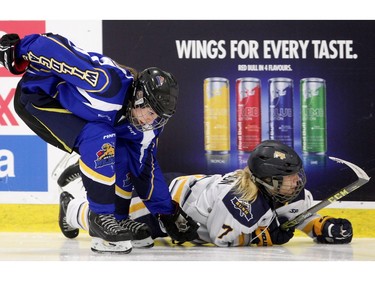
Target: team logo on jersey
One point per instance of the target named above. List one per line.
(105, 156)
(280, 155)
(127, 181)
(159, 80)
(243, 207)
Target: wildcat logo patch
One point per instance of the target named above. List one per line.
(105, 156)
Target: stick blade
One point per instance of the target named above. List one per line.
(357, 170)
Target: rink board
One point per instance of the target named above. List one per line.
(43, 218)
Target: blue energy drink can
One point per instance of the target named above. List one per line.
(281, 127)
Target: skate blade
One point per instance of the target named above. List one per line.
(144, 243)
(99, 245)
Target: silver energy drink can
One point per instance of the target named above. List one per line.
(281, 114)
(313, 115)
(216, 115)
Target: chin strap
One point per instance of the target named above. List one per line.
(266, 194)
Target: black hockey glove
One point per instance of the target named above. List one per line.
(273, 234)
(7, 54)
(179, 226)
(328, 230)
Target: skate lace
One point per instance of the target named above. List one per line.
(109, 222)
(131, 225)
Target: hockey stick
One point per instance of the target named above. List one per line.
(363, 178)
(67, 160)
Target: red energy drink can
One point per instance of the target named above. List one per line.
(248, 106)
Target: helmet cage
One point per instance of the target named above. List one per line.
(273, 185)
(142, 99)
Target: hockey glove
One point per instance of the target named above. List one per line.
(7, 54)
(179, 226)
(328, 230)
(272, 235)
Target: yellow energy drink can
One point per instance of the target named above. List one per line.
(216, 115)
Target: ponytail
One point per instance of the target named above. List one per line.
(244, 186)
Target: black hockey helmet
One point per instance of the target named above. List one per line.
(160, 92)
(269, 162)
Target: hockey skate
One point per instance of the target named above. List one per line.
(107, 235)
(66, 161)
(140, 231)
(70, 174)
(66, 229)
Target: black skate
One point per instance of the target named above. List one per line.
(107, 235)
(141, 233)
(69, 175)
(66, 229)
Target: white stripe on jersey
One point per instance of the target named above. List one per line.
(98, 104)
(148, 136)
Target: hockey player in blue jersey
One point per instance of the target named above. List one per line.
(241, 208)
(111, 116)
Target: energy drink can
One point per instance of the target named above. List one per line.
(314, 161)
(248, 106)
(218, 163)
(216, 115)
(242, 160)
(313, 115)
(281, 110)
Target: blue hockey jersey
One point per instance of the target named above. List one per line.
(96, 89)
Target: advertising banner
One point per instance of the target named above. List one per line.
(307, 83)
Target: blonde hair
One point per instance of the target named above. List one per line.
(244, 186)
